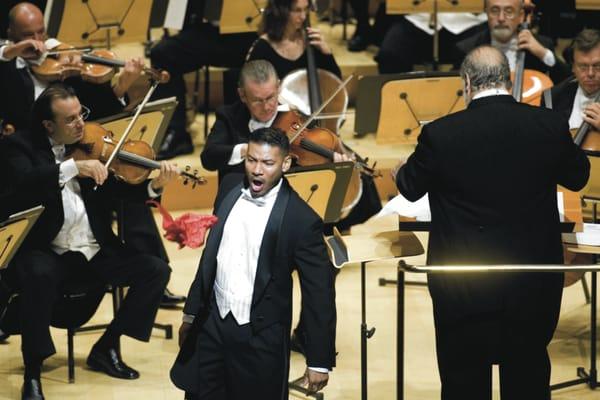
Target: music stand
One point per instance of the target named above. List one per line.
(405, 107)
(235, 16)
(587, 5)
(151, 125)
(433, 7)
(351, 249)
(13, 232)
(323, 187)
(98, 22)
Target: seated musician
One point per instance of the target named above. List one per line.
(227, 143)
(74, 237)
(27, 31)
(574, 97)
(198, 44)
(282, 41)
(504, 20)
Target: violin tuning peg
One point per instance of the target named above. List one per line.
(187, 168)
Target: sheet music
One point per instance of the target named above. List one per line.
(175, 14)
(589, 237)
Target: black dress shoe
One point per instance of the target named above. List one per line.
(3, 337)
(358, 42)
(175, 144)
(110, 362)
(32, 390)
(170, 299)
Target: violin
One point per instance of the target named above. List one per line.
(133, 162)
(528, 84)
(95, 66)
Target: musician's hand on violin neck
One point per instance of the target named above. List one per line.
(131, 71)
(338, 157)
(168, 172)
(92, 169)
(316, 39)
(28, 49)
(591, 115)
(528, 42)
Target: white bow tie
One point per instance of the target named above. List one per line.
(258, 201)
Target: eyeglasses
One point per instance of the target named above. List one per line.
(269, 100)
(509, 12)
(83, 116)
(586, 67)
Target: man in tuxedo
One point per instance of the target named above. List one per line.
(491, 172)
(234, 338)
(73, 237)
(198, 44)
(27, 33)
(504, 20)
(227, 143)
(576, 99)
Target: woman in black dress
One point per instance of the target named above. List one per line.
(282, 41)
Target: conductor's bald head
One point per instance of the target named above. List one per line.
(485, 68)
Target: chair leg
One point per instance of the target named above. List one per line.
(206, 98)
(71, 356)
(586, 289)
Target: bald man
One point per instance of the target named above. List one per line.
(491, 172)
(27, 43)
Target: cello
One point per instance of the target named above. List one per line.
(528, 84)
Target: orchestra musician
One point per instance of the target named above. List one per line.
(227, 144)
(73, 237)
(503, 32)
(234, 338)
(574, 98)
(483, 319)
(27, 33)
(198, 44)
(282, 39)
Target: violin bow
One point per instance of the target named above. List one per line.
(140, 107)
(316, 113)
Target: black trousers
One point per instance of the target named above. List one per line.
(515, 336)
(237, 364)
(195, 46)
(41, 273)
(405, 45)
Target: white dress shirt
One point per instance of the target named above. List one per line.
(237, 257)
(581, 102)
(76, 232)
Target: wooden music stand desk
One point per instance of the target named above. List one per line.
(14, 230)
(587, 5)
(407, 104)
(428, 6)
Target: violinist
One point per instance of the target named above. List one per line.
(28, 44)
(574, 98)
(503, 33)
(227, 143)
(27, 32)
(283, 41)
(74, 236)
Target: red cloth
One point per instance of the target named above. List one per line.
(187, 230)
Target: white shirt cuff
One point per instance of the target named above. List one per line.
(153, 193)
(236, 154)
(188, 318)
(319, 369)
(2, 58)
(67, 171)
(549, 58)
